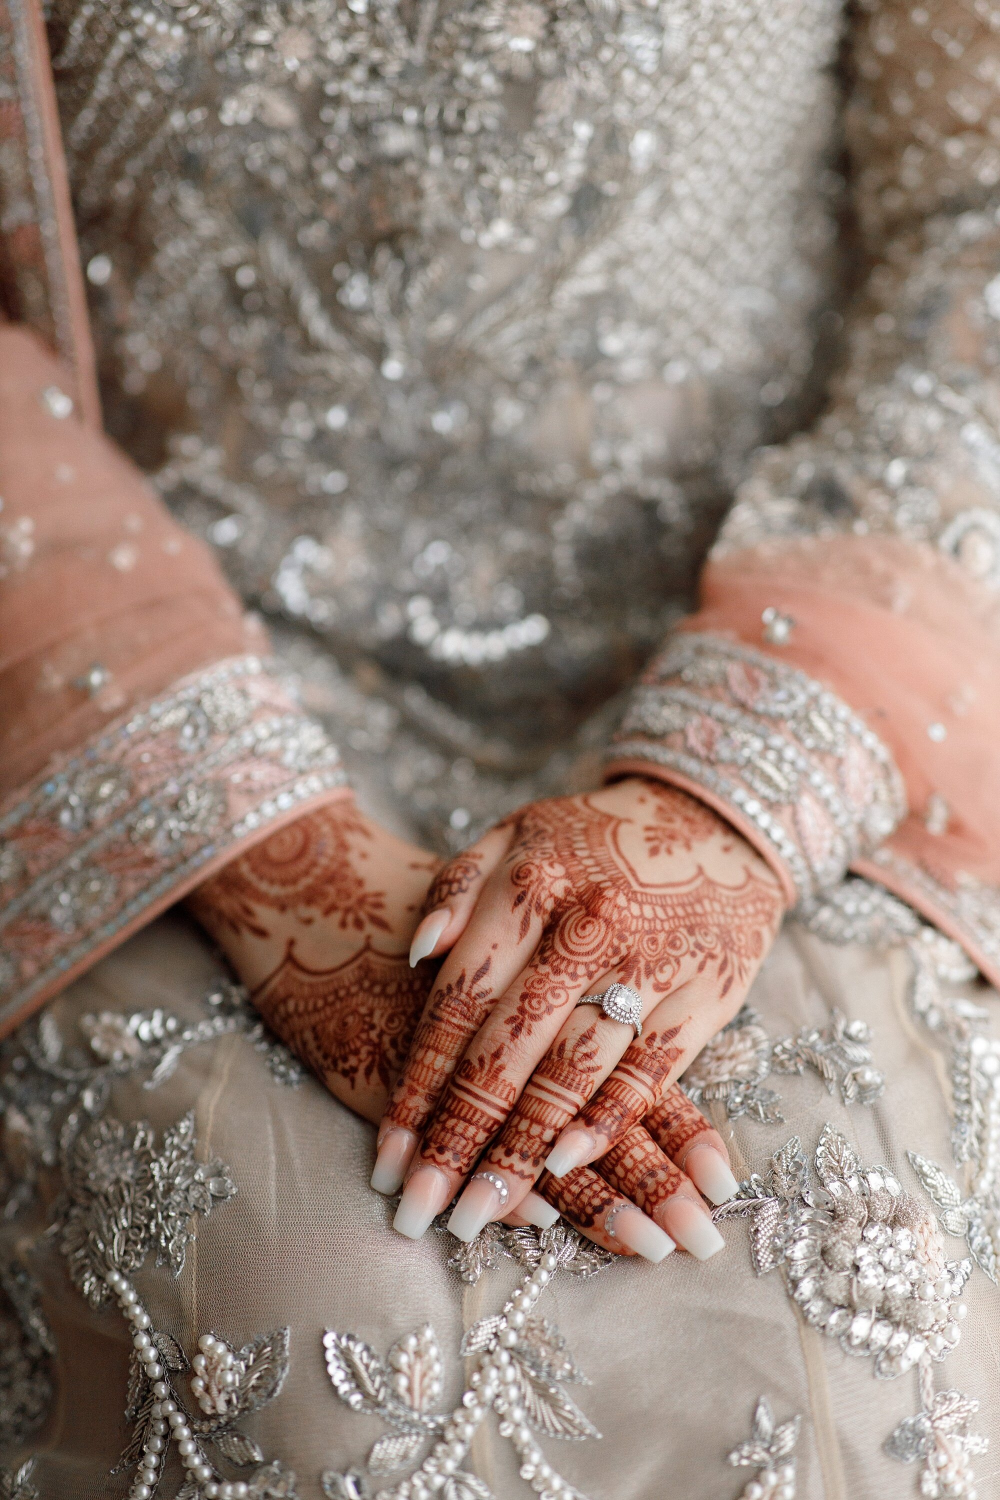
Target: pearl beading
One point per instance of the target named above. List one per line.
(169, 1423)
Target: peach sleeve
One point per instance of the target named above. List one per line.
(837, 693)
(144, 737)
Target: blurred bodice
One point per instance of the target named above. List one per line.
(451, 326)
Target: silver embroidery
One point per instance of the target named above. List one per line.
(87, 850)
(939, 1434)
(770, 1450)
(863, 1260)
(521, 1374)
(16, 1484)
(864, 1263)
(733, 1066)
(781, 749)
(53, 1094)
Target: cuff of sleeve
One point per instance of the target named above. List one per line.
(101, 843)
(799, 774)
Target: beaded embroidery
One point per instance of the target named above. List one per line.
(125, 826)
(792, 760)
(734, 1065)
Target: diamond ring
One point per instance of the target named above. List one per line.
(620, 1002)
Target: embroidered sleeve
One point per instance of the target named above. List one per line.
(834, 692)
(145, 739)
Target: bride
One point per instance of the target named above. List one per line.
(598, 402)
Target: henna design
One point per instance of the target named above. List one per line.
(569, 871)
(582, 1196)
(454, 879)
(351, 1024)
(562, 1082)
(454, 1015)
(638, 1168)
(634, 1085)
(474, 1106)
(307, 866)
(678, 821)
(675, 1122)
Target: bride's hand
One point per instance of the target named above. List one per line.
(637, 883)
(317, 921)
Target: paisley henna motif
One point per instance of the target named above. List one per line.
(351, 1024)
(309, 867)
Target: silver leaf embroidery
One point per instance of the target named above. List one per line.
(769, 1450)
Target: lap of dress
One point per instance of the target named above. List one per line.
(281, 1231)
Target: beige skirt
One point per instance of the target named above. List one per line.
(197, 1275)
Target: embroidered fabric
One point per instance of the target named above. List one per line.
(865, 1265)
(97, 845)
(804, 777)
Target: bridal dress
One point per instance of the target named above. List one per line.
(534, 383)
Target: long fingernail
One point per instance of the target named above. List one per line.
(424, 1196)
(481, 1202)
(711, 1174)
(535, 1210)
(394, 1155)
(573, 1148)
(691, 1227)
(425, 939)
(643, 1236)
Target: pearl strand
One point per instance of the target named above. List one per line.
(490, 1386)
(168, 1421)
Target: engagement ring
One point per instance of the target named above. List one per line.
(620, 1002)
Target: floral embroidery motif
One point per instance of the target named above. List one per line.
(787, 754)
(129, 823)
(735, 1063)
(769, 1450)
(52, 1100)
(864, 1263)
(863, 1259)
(522, 1371)
(939, 1434)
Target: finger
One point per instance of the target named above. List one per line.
(478, 1098)
(641, 1172)
(453, 893)
(605, 1216)
(586, 1049)
(673, 1035)
(506, 1052)
(484, 962)
(682, 1132)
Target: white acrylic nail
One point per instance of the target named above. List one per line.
(424, 1196)
(641, 1235)
(481, 1202)
(573, 1149)
(427, 935)
(537, 1211)
(393, 1158)
(711, 1173)
(691, 1227)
